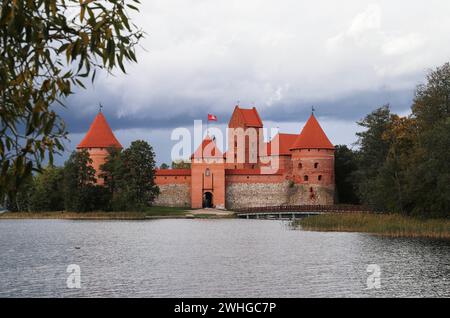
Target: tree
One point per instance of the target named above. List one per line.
(429, 176)
(164, 166)
(372, 153)
(129, 177)
(79, 182)
(139, 171)
(47, 49)
(432, 99)
(181, 164)
(345, 163)
(47, 192)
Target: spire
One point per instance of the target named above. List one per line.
(312, 136)
(99, 135)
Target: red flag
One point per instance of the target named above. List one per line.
(212, 117)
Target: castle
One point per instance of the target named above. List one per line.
(245, 175)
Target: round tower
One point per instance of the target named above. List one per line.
(313, 164)
(98, 140)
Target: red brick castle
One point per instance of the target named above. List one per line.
(290, 169)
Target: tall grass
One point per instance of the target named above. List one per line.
(382, 224)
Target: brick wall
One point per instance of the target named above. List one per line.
(242, 195)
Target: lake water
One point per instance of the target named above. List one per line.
(213, 258)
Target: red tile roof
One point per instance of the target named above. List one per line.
(208, 149)
(312, 136)
(99, 135)
(285, 141)
(251, 117)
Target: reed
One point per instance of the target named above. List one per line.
(392, 225)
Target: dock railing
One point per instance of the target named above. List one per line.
(337, 208)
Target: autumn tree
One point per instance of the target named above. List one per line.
(48, 48)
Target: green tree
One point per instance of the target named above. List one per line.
(345, 163)
(164, 166)
(432, 99)
(372, 153)
(181, 164)
(48, 190)
(79, 182)
(429, 176)
(130, 177)
(47, 49)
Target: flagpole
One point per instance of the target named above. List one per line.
(207, 123)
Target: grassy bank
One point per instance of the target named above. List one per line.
(380, 224)
(152, 212)
(155, 212)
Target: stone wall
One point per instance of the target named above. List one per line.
(243, 195)
(174, 195)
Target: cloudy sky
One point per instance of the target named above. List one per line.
(344, 57)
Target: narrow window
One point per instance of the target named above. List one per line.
(305, 178)
(207, 172)
(300, 165)
(316, 165)
(319, 177)
(311, 189)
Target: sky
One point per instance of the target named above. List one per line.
(204, 56)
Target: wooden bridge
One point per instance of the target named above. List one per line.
(283, 212)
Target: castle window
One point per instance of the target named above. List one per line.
(305, 178)
(300, 165)
(253, 166)
(311, 189)
(316, 165)
(207, 172)
(319, 177)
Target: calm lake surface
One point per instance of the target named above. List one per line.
(212, 258)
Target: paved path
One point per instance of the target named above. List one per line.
(211, 211)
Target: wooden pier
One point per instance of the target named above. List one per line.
(284, 212)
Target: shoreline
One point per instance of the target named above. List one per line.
(148, 215)
(387, 225)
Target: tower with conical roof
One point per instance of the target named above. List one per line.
(313, 163)
(98, 140)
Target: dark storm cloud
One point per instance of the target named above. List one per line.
(348, 108)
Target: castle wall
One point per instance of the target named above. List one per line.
(273, 190)
(174, 187)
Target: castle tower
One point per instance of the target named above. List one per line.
(313, 163)
(207, 176)
(244, 138)
(97, 141)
